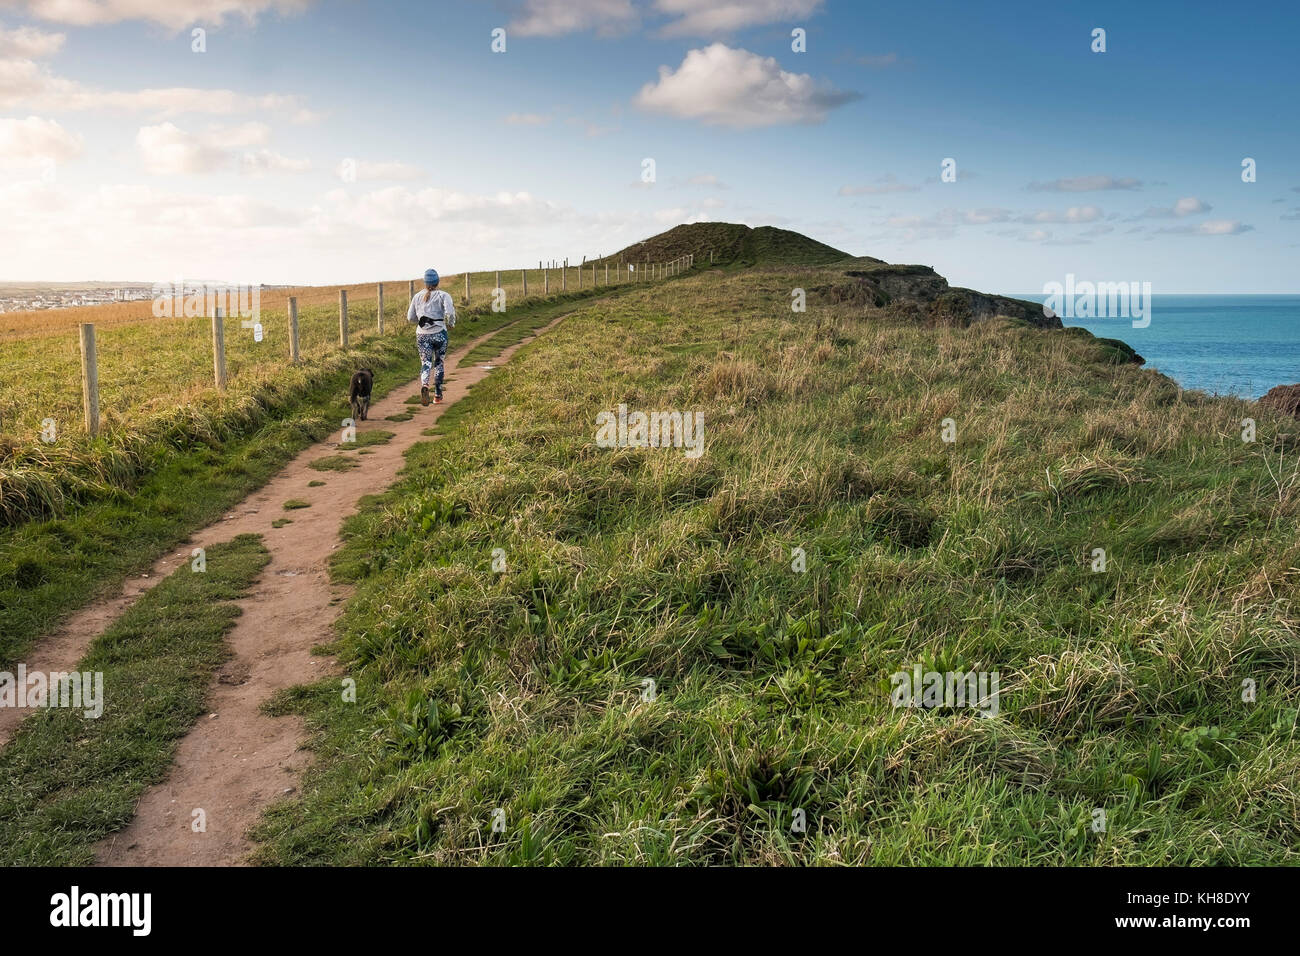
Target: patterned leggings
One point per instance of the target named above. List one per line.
(433, 348)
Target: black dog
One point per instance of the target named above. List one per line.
(362, 380)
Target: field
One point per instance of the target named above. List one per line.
(651, 679)
(156, 380)
(77, 516)
(575, 654)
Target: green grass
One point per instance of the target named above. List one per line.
(72, 780)
(522, 691)
(281, 522)
(315, 484)
(366, 439)
(295, 503)
(147, 491)
(157, 396)
(732, 244)
(333, 463)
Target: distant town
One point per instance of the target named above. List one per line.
(36, 296)
(15, 297)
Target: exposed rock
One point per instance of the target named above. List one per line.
(882, 284)
(1283, 398)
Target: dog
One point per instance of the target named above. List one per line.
(362, 381)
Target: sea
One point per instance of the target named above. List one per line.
(1239, 345)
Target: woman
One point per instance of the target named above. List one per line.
(433, 312)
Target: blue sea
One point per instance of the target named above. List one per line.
(1223, 344)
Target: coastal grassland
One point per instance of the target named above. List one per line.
(79, 515)
(71, 779)
(526, 691)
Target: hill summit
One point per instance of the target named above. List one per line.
(730, 242)
(916, 291)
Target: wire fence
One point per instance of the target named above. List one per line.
(155, 339)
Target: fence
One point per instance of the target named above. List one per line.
(356, 302)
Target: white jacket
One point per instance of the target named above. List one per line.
(431, 312)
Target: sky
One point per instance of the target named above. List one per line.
(339, 141)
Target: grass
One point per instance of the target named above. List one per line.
(156, 392)
(334, 463)
(295, 503)
(125, 499)
(281, 522)
(72, 780)
(732, 244)
(523, 694)
(315, 484)
(366, 439)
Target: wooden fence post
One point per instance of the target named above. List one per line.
(606, 273)
(343, 318)
(564, 275)
(380, 310)
(89, 379)
(293, 329)
(524, 273)
(546, 282)
(219, 349)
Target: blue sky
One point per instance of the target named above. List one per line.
(322, 141)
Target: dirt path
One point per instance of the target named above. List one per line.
(236, 760)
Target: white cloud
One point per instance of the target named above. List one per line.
(707, 179)
(264, 161)
(241, 136)
(1187, 206)
(557, 17)
(26, 84)
(943, 224)
(722, 86)
(343, 236)
(175, 14)
(716, 17)
(401, 210)
(1210, 227)
(1072, 215)
(1084, 184)
(28, 43)
(166, 150)
(35, 141)
(20, 85)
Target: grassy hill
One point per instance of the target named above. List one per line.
(567, 653)
(571, 653)
(730, 243)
